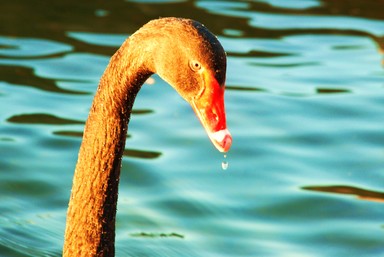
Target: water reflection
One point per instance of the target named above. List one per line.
(141, 154)
(157, 235)
(304, 100)
(360, 193)
(240, 88)
(41, 118)
(17, 75)
(248, 20)
(332, 90)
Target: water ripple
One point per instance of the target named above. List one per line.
(30, 47)
(304, 104)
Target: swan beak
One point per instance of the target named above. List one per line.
(209, 108)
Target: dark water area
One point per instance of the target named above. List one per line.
(305, 103)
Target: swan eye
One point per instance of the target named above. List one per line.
(195, 65)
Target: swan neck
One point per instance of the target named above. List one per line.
(90, 228)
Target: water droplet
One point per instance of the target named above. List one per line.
(224, 163)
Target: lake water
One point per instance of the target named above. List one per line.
(305, 105)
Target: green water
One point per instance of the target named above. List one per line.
(305, 104)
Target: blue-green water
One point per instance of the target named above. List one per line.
(305, 105)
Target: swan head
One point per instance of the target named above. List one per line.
(192, 60)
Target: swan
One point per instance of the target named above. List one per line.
(186, 55)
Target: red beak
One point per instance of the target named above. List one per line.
(209, 108)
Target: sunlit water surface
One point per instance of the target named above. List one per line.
(305, 105)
